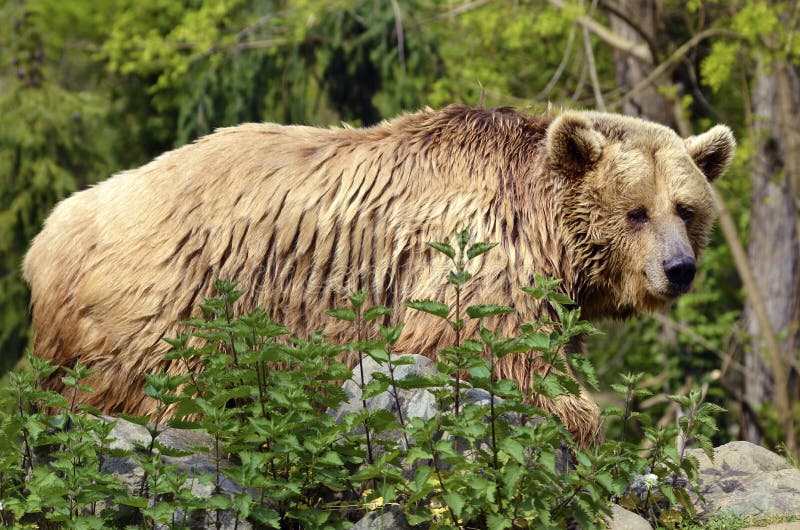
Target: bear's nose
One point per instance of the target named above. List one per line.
(680, 272)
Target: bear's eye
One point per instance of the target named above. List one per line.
(638, 215)
(684, 212)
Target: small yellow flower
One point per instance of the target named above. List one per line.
(374, 504)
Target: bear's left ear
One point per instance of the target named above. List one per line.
(712, 151)
(573, 147)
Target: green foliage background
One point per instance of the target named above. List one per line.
(86, 91)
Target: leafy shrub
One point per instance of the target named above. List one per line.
(264, 398)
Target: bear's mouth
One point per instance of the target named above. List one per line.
(674, 291)
(668, 292)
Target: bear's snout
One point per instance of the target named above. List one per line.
(680, 271)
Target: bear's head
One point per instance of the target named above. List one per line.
(638, 206)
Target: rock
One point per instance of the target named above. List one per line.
(391, 518)
(414, 403)
(746, 479)
(622, 519)
(127, 470)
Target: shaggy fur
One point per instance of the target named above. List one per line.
(302, 216)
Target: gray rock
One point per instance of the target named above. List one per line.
(414, 403)
(622, 519)
(391, 518)
(746, 479)
(127, 470)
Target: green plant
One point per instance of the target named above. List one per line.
(662, 473)
(487, 459)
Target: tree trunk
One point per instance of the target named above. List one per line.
(773, 248)
(630, 70)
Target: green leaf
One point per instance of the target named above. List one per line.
(375, 387)
(357, 299)
(584, 368)
(498, 521)
(710, 408)
(160, 511)
(421, 516)
(668, 493)
(378, 354)
(717, 67)
(509, 346)
(374, 312)
(514, 449)
(480, 372)
(138, 420)
(535, 292)
(331, 458)
(690, 465)
(430, 306)
(462, 238)
(538, 341)
(344, 313)
(607, 481)
(391, 334)
(266, 516)
(481, 311)
(479, 248)
(683, 401)
(619, 389)
(130, 500)
(455, 501)
(444, 248)
(610, 412)
(549, 386)
(458, 278)
(685, 500)
(560, 298)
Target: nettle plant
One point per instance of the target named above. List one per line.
(265, 398)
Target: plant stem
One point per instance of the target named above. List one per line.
(441, 482)
(25, 434)
(192, 376)
(460, 269)
(359, 339)
(228, 312)
(217, 488)
(493, 421)
(396, 395)
(626, 416)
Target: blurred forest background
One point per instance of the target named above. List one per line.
(88, 88)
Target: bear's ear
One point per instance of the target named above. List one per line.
(572, 146)
(712, 151)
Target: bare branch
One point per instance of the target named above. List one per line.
(640, 51)
(598, 94)
(561, 67)
(780, 371)
(580, 83)
(398, 24)
(668, 63)
(463, 8)
(739, 254)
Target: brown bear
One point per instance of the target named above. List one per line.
(615, 206)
